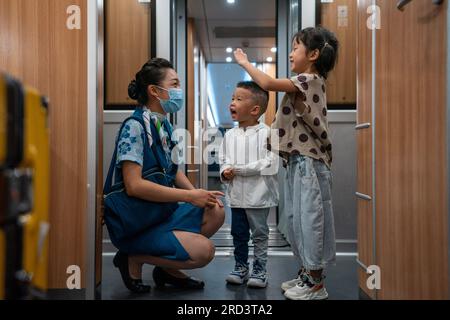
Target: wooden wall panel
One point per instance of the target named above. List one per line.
(362, 279)
(127, 46)
(412, 205)
(364, 99)
(364, 161)
(365, 242)
(364, 144)
(44, 54)
(341, 84)
(68, 123)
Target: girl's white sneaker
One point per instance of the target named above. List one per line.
(307, 289)
(292, 283)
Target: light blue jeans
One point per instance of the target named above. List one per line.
(309, 211)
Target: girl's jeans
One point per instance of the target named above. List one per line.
(309, 211)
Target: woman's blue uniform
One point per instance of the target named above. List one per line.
(133, 145)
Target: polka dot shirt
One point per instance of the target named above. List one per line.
(302, 122)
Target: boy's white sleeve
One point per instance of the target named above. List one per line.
(224, 161)
(266, 165)
(261, 167)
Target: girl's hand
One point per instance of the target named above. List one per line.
(202, 198)
(241, 57)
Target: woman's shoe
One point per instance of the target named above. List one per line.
(162, 278)
(134, 285)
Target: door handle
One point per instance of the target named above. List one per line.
(363, 196)
(403, 3)
(362, 126)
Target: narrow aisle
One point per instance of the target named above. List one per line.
(342, 282)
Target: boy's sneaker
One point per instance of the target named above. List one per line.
(307, 289)
(292, 283)
(258, 278)
(239, 275)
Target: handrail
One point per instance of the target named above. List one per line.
(403, 3)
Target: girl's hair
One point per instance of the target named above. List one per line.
(152, 73)
(323, 40)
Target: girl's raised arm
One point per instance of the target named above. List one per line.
(265, 81)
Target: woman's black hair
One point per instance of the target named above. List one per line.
(323, 40)
(152, 73)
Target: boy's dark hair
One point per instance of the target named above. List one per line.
(323, 40)
(151, 73)
(259, 95)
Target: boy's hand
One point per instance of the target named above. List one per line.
(241, 57)
(228, 174)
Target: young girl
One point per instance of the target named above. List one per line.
(304, 143)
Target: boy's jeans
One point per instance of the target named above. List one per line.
(255, 220)
(309, 212)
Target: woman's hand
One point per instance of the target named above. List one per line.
(241, 57)
(202, 198)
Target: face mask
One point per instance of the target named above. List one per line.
(175, 101)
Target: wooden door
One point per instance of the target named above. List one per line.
(364, 148)
(340, 16)
(128, 34)
(411, 162)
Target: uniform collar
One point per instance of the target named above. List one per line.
(161, 117)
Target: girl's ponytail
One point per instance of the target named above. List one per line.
(328, 57)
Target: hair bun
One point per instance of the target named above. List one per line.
(133, 91)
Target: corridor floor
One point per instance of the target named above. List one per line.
(341, 282)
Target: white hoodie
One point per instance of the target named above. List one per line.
(255, 184)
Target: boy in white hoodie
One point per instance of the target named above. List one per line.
(249, 170)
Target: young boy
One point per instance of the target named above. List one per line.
(249, 171)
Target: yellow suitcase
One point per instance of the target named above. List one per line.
(24, 162)
(11, 154)
(15, 198)
(37, 157)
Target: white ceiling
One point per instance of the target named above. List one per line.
(209, 14)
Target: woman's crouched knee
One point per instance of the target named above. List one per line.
(204, 254)
(216, 215)
(220, 215)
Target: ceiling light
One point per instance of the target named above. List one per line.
(229, 50)
(231, 1)
(269, 59)
(274, 49)
(229, 59)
